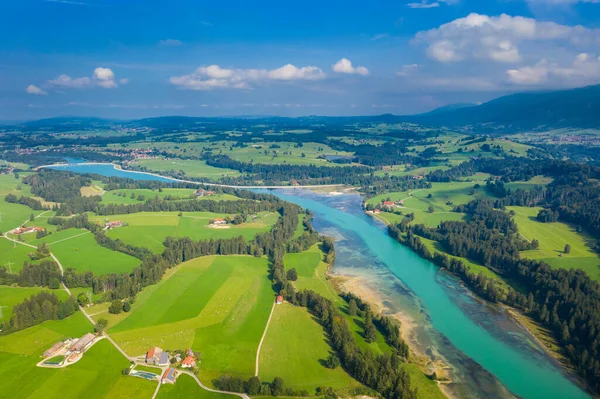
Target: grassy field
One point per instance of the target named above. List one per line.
(191, 168)
(151, 229)
(114, 197)
(552, 238)
(444, 197)
(295, 349)
(11, 296)
(186, 388)
(82, 252)
(529, 184)
(216, 305)
(14, 253)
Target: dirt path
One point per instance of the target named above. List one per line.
(263, 338)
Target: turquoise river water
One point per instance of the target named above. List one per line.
(491, 356)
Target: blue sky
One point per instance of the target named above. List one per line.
(134, 58)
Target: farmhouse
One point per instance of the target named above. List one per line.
(26, 230)
(55, 348)
(169, 376)
(218, 221)
(163, 359)
(388, 203)
(83, 343)
(73, 357)
(113, 224)
(279, 299)
(188, 362)
(189, 352)
(376, 211)
(153, 355)
(200, 192)
(400, 202)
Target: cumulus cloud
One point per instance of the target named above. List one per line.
(345, 66)
(498, 38)
(585, 69)
(215, 77)
(101, 77)
(170, 43)
(32, 89)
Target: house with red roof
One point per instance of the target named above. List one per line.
(279, 300)
(169, 376)
(153, 355)
(189, 362)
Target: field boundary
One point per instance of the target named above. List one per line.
(263, 338)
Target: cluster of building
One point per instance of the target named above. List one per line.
(113, 224)
(72, 349)
(218, 221)
(7, 171)
(387, 206)
(202, 192)
(26, 230)
(157, 357)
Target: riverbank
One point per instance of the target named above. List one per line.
(419, 356)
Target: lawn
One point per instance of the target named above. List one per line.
(151, 229)
(11, 296)
(191, 168)
(552, 238)
(216, 305)
(295, 349)
(186, 388)
(82, 252)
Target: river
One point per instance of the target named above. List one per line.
(490, 354)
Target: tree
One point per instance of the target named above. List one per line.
(31, 218)
(430, 209)
(535, 244)
(116, 307)
(370, 332)
(352, 307)
(126, 307)
(82, 299)
(292, 274)
(54, 283)
(100, 325)
(277, 386)
(253, 386)
(567, 249)
(332, 362)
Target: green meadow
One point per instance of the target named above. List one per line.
(295, 349)
(81, 252)
(117, 197)
(150, 230)
(14, 253)
(191, 168)
(13, 295)
(186, 388)
(216, 305)
(552, 238)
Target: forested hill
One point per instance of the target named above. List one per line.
(577, 108)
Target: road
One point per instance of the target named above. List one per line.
(108, 337)
(263, 337)
(189, 181)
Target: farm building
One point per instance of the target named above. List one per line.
(83, 343)
(189, 352)
(55, 348)
(73, 357)
(218, 221)
(169, 376)
(163, 359)
(113, 224)
(188, 362)
(26, 230)
(153, 355)
(279, 299)
(376, 211)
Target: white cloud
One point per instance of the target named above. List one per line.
(66, 82)
(101, 77)
(379, 36)
(123, 81)
(585, 69)
(345, 66)
(560, 2)
(170, 43)
(499, 38)
(407, 70)
(215, 77)
(423, 4)
(105, 77)
(32, 89)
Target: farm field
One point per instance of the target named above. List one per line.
(16, 254)
(124, 197)
(151, 229)
(552, 238)
(13, 215)
(11, 296)
(191, 168)
(529, 184)
(82, 252)
(295, 348)
(216, 305)
(187, 388)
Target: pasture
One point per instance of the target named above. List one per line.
(191, 168)
(186, 388)
(552, 238)
(81, 252)
(137, 196)
(216, 305)
(16, 254)
(11, 296)
(295, 349)
(150, 230)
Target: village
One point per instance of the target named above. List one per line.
(170, 365)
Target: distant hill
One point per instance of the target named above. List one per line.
(575, 108)
(449, 107)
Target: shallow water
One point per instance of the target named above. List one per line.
(489, 352)
(491, 355)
